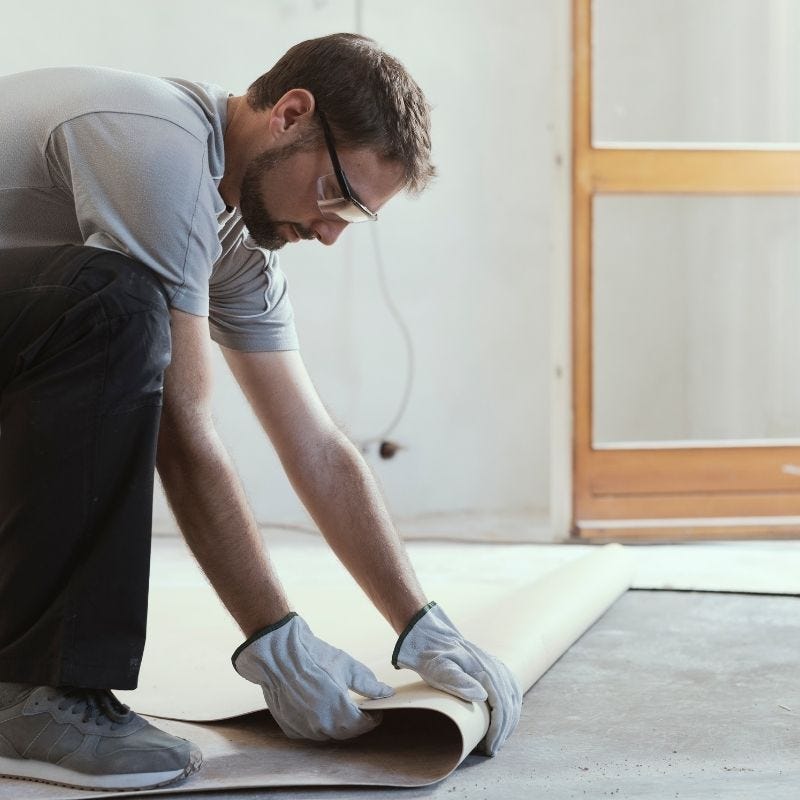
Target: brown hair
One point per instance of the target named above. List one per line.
(367, 96)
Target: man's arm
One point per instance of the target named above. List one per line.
(308, 694)
(331, 479)
(203, 489)
(305, 681)
(336, 486)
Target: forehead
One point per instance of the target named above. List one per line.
(373, 178)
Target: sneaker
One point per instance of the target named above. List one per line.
(87, 739)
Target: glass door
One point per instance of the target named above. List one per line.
(686, 268)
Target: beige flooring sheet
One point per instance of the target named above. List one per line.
(528, 620)
(526, 603)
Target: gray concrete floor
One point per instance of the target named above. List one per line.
(670, 694)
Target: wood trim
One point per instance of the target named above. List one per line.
(581, 254)
(696, 505)
(692, 171)
(602, 535)
(582, 336)
(693, 470)
(582, 76)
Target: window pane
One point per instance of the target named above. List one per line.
(696, 318)
(696, 71)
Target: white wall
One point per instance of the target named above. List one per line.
(467, 262)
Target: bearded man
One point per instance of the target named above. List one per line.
(140, 220)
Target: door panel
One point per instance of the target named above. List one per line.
(686, 293)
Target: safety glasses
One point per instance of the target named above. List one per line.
(335, 198)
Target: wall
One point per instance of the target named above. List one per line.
(467, 262)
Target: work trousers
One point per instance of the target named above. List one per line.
(84, 342)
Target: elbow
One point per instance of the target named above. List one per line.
(326, 464)
(186, 430)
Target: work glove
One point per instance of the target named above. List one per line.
(432, 646)
(305, 682)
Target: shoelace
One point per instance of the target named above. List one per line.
(97, 704)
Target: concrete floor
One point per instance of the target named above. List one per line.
(670, 694)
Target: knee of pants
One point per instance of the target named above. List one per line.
(136, 314)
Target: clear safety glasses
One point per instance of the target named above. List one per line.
(335, 198)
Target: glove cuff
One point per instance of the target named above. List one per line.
(258, 634)
(414, 620)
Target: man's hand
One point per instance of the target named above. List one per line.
(432, 646)
(305, 682)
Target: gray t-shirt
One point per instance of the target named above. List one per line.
(131, 163)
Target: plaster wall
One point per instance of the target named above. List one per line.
(467, 262)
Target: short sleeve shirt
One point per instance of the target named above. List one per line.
(132, 163)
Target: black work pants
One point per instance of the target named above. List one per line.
(84, 342)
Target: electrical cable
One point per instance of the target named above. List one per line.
(388, 448)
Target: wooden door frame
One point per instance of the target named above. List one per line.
(626, 493)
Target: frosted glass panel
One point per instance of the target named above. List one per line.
(704, 71)
(696, 318)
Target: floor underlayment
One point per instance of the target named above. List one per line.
(681, 695)
(445, 565)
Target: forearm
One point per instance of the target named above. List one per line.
(209, 504)
(340, 493)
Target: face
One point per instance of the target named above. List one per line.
(278, 197)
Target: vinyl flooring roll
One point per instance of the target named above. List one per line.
(187, 681)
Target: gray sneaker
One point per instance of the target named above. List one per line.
(86, 738)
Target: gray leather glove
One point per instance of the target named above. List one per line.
(305, 682)
(432, 646)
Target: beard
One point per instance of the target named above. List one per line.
(261, 225)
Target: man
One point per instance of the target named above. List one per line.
(139, 220)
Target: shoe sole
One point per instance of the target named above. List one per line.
(43, 772)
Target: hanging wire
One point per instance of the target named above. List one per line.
(386, 448)
(407, 341)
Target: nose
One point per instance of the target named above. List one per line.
(328, 231)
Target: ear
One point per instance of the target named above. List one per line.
(292, 108)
